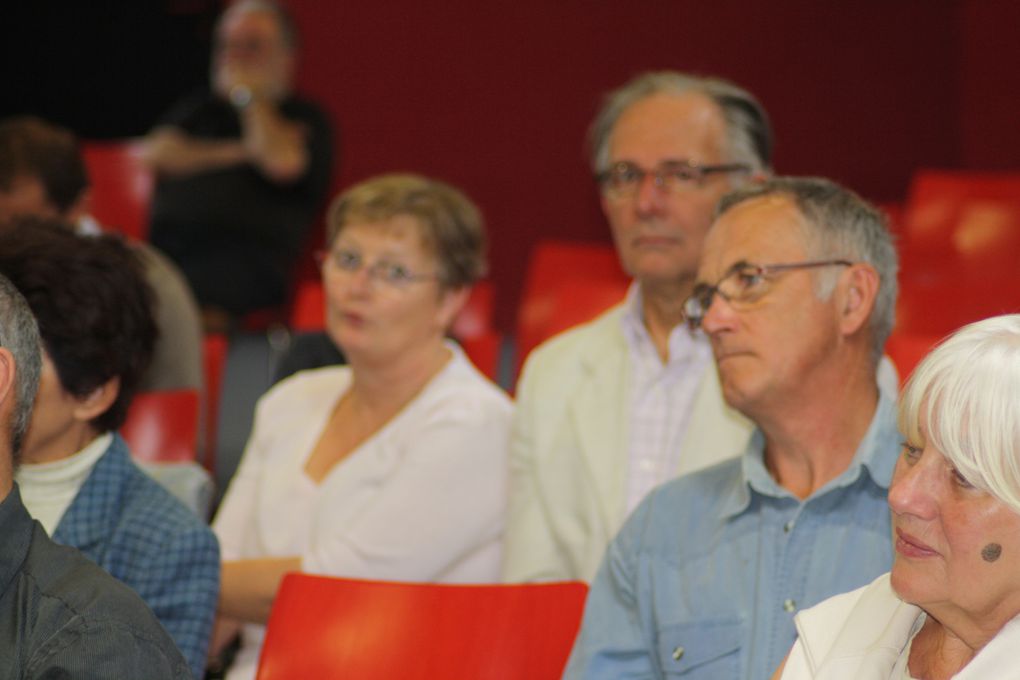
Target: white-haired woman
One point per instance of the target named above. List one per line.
(950, 607)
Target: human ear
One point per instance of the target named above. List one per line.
(8, 371)
(858, 289)
(98, 401)
(451, 301)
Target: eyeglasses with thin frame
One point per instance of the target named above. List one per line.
(342, 261)
(743, 284)
(623, 179)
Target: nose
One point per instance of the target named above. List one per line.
(719, 316)
(913, 489)
(360, 280)
(651, 195)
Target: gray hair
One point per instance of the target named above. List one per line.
(20, 335)
(966, 394)
(284, 20)
(843, 226)
(748, 132)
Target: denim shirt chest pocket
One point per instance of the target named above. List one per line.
(702, 650)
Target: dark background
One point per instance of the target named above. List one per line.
(496, 96)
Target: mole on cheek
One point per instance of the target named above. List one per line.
(991, 552)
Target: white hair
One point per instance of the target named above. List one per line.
(967, 394)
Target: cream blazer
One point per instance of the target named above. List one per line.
(569, 450)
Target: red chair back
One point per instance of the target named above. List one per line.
(122, 185)
(484, 353)
(907, 349)
(970, 217)
(344, 628)
(551, 265)
(214, 360)
(162, 426)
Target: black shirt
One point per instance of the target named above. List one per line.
(235, 233)
(61, 616)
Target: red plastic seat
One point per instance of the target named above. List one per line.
(551, 265)
(484, 353)
(214, 360)
(971, 218)
(122, 185)
(907, 349)
(328, 628)
(162, 426)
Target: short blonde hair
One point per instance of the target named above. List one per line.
(451, 225)
(967, 394)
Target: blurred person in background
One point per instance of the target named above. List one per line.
(241, 169)
(42, 175)
(394, 466)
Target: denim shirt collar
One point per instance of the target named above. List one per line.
(876, 455)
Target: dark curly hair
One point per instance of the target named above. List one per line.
(92, 303)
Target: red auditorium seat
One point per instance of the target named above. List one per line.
(970, 217)
(551, 265)
(907, 349)
(162, 426)
(121, 185)
(214, 361)
(328, 628)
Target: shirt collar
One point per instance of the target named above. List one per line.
(685, 345)
(876, 455)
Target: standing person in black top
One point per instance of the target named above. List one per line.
(61, 616)
(241, 169)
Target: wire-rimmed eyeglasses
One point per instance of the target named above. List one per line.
(622, 179)
(742, 284)
(348, 262)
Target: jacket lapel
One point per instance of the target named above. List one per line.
(603, 440)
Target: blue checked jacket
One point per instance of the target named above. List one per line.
(138, 532)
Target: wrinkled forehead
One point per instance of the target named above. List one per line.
(667, 127)
(765, 230)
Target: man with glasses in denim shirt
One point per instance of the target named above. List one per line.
(796, 291)
(610, 409)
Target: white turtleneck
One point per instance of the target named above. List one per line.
(47, 489)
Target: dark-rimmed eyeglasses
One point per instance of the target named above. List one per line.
(623, 179)
(349, 262)
(743, 284)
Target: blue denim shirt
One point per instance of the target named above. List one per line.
(704, 579)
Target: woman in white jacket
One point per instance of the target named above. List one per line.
(950, 607)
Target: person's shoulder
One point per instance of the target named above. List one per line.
(591, 339)
(462, 391)
(195, 103)
(72, 599)
(152, 515)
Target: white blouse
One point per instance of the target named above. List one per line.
(422, 499)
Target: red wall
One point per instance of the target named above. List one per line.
(496, 97)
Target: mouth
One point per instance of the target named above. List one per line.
(654, 241)
(911, 546)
